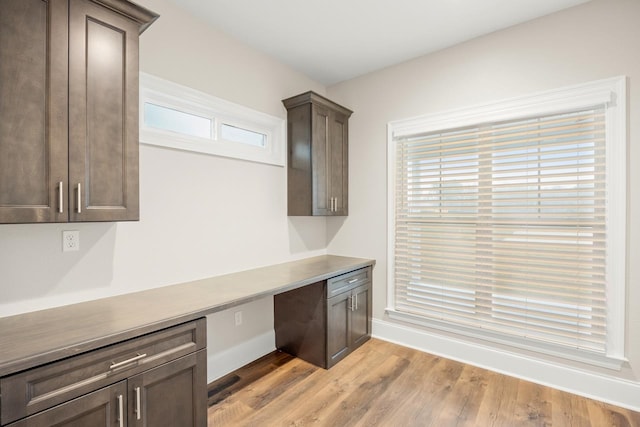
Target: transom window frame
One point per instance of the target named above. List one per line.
(611, 93)
(167, 94)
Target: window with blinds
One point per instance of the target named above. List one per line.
(501, 227)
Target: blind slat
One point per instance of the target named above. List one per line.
(503, 227)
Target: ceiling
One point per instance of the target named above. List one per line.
(336, 40)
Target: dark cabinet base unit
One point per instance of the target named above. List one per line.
(158, 379)
(325, 321)
(108, 362)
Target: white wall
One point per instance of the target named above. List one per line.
(599, 39)
(200, 215)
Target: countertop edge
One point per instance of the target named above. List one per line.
(9, 367)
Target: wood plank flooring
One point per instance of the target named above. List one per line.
(383, 384)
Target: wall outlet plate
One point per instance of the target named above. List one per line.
(70, 240)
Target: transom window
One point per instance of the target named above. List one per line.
(176, 116)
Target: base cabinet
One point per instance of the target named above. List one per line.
(324, 322)
(174, 394)
(156, 380)
(348, 322)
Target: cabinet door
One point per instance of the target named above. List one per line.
(103, 407)
(173, 394)
(33, 111)
(338, 173)
(103, 113)
(361, 316)
(320, 158)
(338, 337)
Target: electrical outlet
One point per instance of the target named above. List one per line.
(70, 240)
(238, 318)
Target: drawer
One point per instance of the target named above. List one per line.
(37, 389)
(346, 282)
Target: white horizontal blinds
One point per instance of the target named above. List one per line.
(502, 227)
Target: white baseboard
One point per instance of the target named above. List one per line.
(607, 389)
(224, 362)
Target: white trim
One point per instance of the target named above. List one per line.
(604, 388)
(542, 348)
(172, 95)
(616, 147)
(547, 102)
(611, 92)
(224, 362)
(391, 217)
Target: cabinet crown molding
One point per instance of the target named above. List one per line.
(143, 16)
(311, 96)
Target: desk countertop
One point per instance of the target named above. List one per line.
(31, 339)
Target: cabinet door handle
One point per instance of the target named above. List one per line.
(351, 302)
(120, 411)
(137, 409)
(139, 356)
(356, 295)
(79, 198)
(60, 197)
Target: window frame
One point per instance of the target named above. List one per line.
(171, 95)
(610, 92)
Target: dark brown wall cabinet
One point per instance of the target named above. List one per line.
(155, 380)
(325, 321)
(318, 167)
(69, 110)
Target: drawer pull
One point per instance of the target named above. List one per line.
(353, 280)
(115, 365)
(120, 411)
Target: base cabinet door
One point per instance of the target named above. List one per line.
(360, 315)
(102, 408)
(338, 337)
(173, 394)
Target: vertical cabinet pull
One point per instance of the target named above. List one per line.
(79, 198)
(356, 296)
(120, 411)
(60, 197)
(333, 204)
(137, 409)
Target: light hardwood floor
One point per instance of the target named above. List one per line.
(382, 384)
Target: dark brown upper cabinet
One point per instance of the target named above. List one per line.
(318, 167)
(69, 110)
